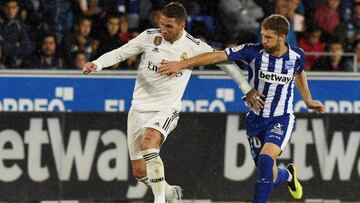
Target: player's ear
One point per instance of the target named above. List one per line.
(182, 24)
(283, 37)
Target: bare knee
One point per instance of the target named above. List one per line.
(139, 169)
(138, 174)
(151, 139)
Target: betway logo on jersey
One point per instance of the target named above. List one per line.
(278, 78)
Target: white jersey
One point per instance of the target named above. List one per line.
(153, 91)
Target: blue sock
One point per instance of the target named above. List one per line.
(283, 175)
(265, 179)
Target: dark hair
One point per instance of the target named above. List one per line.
(111, 15)
(8, 1)
(355, 5)
(277, 23)
(334, 40)
(175, 10)
(80, 19)
(48, 34)
(313, 28)
(78, 52)
(354, 44)
(40, 43)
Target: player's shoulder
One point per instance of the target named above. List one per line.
(152, 31)
(298, 51)
(192, 40)
(152, 35)
(254, 46)
(248, 47)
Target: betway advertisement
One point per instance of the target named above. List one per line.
(113, 94)
(83, 156)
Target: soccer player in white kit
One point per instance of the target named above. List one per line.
(157, 98)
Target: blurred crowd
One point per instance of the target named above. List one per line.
(64, 34)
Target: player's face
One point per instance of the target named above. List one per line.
(271, 41)
(170, 28)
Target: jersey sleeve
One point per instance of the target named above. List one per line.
(231, 70)
(204, 47)
(238, 53)
(132, 48)
(301, 62)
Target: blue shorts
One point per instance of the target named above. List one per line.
(260, 130)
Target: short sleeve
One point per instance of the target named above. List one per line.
(300, 62)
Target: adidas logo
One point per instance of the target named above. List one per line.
(157, 124)
(156, 50)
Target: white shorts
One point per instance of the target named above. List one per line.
(164, 121)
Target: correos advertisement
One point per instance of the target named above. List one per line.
(114, 94)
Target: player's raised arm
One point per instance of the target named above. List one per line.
(132, 48)
(174, 67)
(302, 85)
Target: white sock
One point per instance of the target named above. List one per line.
(144, 180)
(290, 176)
(169, 191)
(155, 173)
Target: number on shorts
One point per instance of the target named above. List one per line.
(254, 142)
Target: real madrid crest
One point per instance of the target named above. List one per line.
(183, 56)
(157, 40)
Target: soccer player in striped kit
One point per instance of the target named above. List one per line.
(273, 67)
(156, 103)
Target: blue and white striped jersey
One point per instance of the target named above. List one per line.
(272, 76)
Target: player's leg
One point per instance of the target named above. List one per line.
(155, 168)
(279, 133)
(150, 144)
(256, 129)
(282, 176)
(265, 179)
(139, 171)
(134, 130)
(156, 130)
(135, 123)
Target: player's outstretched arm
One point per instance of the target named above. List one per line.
(302, 85)
(254, 99)
(174, 67)
(89, 67)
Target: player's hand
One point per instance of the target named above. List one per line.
(171, 68)
(316, 106)
(88, 68)
(254, 99)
